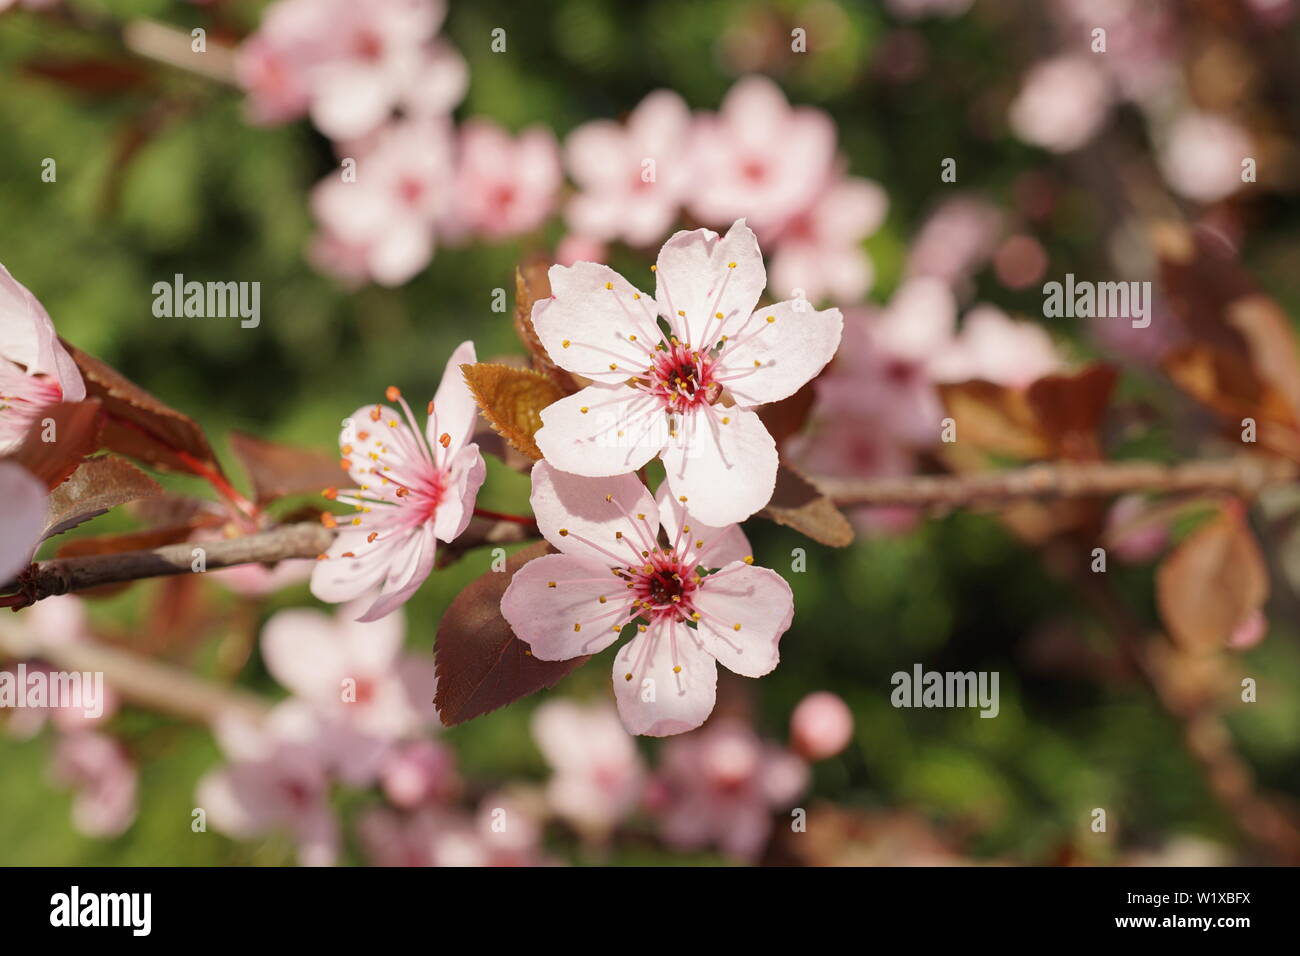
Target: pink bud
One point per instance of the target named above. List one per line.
(417, 772)
(1249, 632)
(821, 726)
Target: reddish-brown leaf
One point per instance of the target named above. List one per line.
(531, 286)
(88, 545)
(787, 417)
(512, 400)
(76, 428)
(994, 418)
(481, 665)
(97, 77)
(96, 486)
(1211, 582)
(798, 503)
(277, 470)
(142, 427)
(1069, 409)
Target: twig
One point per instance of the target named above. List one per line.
(1243, 475)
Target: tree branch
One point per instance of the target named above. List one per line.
(1243, 475)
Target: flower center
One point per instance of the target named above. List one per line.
(683, 379)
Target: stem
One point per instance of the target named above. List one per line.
(525, 520)
(1244, 476)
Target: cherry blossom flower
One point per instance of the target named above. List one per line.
(503, 833)
(955, 240)
(414, 489)
(667, 392)
(576, 248)
(821, 725)
(633, 178)
(599, 776)
(997, 348)
(21, 520)
(97, 768)
(759, 157)
(613, 570)
(419, 771)
(350, 63)
(1202, 154)
(355, 677)
(819, 250)
(35, 370)
(379, 221)
(505, 186)
(720, 787)
(1062, 103)
(277, 780)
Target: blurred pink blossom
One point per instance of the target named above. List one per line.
(1132, 537)
(819, 250)
(414, 488)
(35, 369)
(503, 833)
(598, 775)
(97, 768)
(916, 9)
(956, 240)
(1249, 632)
(1202, 155)
(505, 185)
(633, 177)
(568, 604)
(821, 726)
(350, 64)
(759, 158)
(1062, 103)
(575, 248)
(356, 679)
(378, 219)
(277, 780)
(999, 349)
(721, 786)
(419, 771)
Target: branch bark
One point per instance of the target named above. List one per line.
(1243, 475)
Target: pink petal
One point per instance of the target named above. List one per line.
(726, 472)
(302, 650)
(544, 617)
(337, 579)
(411, 565)
(721, 545)
(21, 519)
(369, 648)
(694, 275)
(760, 601)
(578, 505)
(790, 342)
(468, 470)
(655, 699)
(619, 431)
(597, 323)
(455, 412)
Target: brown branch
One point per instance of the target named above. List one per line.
(1243, 475)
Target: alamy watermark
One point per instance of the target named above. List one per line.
(1098, 300)
(922, 688)
(75, 690)
(220, 300)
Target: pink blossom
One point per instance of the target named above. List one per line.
(632, 178)
(505, 186)
(1131, 534)
(758, 157)
(612, 571)
(996, 348)
(819, 250)
(656, 394)
(355, 677)
(721, 786)
(956, 240)
(257, 580)
(599, 776)
(1202, 155)
(821, 725)
(97, 767)
(378, 220)
(502, 834)
(1249, 632)
(21, 520)
(419, 771)
(277, 780)
(413, 489)
(575, 248)
(918, 9)
(35, 370)
(1062, 103)
(350, 63)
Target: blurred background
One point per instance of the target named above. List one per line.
(1062, 155)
